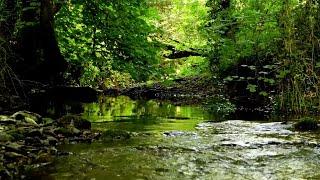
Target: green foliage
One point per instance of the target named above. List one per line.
(108, 37)
(245, 29)
(272, 46)
(252, 88)
(193, 66)
(219, 106)
(181, 24)
(306, 124)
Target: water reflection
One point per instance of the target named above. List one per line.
(173, 142)
(122, 107)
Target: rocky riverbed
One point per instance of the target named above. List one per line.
(30, 141)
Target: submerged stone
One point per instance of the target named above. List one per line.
(116, 134)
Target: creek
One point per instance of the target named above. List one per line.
(148, 139)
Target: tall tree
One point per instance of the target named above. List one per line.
(28, 27)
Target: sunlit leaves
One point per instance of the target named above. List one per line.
(104, 33)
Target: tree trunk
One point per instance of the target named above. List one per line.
(54, 61)
(41, 59)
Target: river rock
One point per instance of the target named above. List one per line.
(14, 147)
(13, 155)
(35, 133)
(116, 134)
(47, 121)
(4, 137)
(33, 141)
(52, 140)
(28, 117)
(30, 121)
(6, 120)
(76, 121)
(68, 132)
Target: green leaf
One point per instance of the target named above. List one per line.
(263, 93)
(252, 88)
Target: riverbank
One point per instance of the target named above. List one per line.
(184, 91)
(29, 141)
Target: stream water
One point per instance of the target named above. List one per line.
(184, 142)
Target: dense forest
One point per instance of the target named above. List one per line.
(265, 51)
(230, 56)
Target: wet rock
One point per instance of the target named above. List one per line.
(35, 133)
(52, 140)
(74, 130)
(27, 116)
(178, 133)
(28, 140)
(77, 121)
(30, 121)
(13, 155)
(44, 157)
(67, 132)
(18, 133)
(33, 141)
(47, 121)
(173, 133)
(306, 124)
(14, 147)
(4, 117)
(116, 134)
(4, 137)
(5, 120)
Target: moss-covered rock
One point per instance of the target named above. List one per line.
(28, 140)
(4, 137)
(68, 132)
(306, 124)
(6, 120)
(116, 134)
(27, 116)
(47, 121)
(76, 121)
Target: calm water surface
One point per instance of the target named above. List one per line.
(185, 142)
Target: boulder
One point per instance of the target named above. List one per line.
(76, 121)
(35, 133)
(28, 117)
(67, 132)
(6, 120)
(116, 134)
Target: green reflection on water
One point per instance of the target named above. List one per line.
(142, 115)
(122, 107)
(196, 150)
